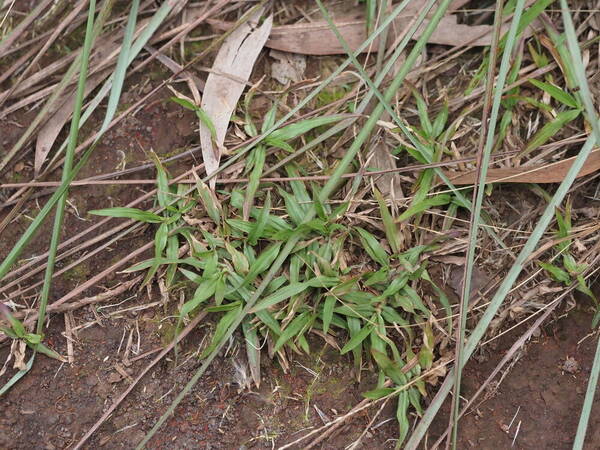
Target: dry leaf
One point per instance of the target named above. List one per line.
(236, 57)
(316, 38)
(548, 173)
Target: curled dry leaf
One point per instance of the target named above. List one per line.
(224, 86)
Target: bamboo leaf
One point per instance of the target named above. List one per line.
(357, 339)
(293, 329)
(556, 92)
(550, 129)
(129, 213)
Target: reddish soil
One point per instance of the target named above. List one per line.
(541, 395)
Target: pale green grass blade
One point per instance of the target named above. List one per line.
(588, 402)
(122, 63)
(139, 43)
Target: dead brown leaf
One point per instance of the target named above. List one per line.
(547, 173)
(236, 58)
(316, 38)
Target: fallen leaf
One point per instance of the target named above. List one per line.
(235, 60)
(288, 67)
(547, 173)
(316, 38)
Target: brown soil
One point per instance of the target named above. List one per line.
(541, 395)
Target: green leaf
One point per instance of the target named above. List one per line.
(267, 318)
(206, 120)
(328, 312)
(256, 232)
(438, 200)
(221, 330)
(556, 92)
(172, 253)
(282, 294)
(391, 230)
(373, 247)
(297, 129)
(423, 113)
(440, 121)
(293, 329)
(185, 103)
(402, 417)
(550, 129)
(209, 201)
(376, 394)
(41, 348)
(357, 339)
(240, 263)
(272, 142)
(162, 180)
(160, 239)
(556, 272)
(269, 118)
(205, 290)
(263, 262)
(129, 213)
(293, 208)
(254, 179)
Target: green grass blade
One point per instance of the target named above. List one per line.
(67, 168)
(121, 69)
